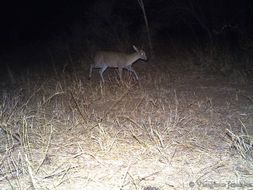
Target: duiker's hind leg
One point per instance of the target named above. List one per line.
(101, 71)
(91, 67)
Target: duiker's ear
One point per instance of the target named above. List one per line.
(135, 48)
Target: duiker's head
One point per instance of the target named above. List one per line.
(141, 53)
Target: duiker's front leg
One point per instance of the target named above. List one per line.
(120, 73)
(132, 70)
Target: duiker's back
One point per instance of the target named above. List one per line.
(112, 59)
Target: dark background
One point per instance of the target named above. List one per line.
(29, 21)
(27, 26)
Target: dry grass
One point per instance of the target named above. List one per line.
(174, 129)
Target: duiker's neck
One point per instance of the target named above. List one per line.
(133, 57)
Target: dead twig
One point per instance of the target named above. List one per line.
(16, 136)
(78, 108)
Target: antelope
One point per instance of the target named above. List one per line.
(105, 59)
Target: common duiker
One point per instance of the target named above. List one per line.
(104, 59)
